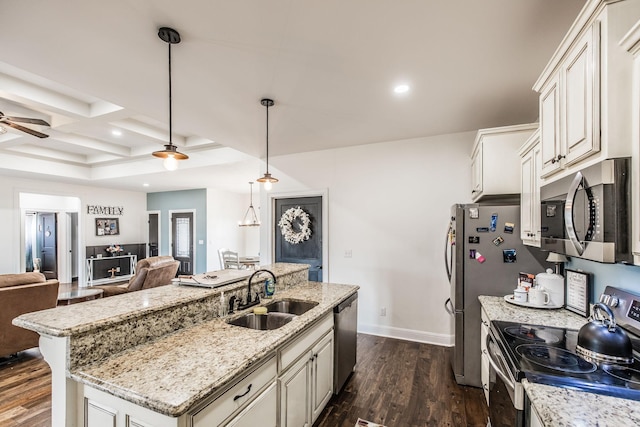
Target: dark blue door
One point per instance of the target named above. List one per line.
(297, 248)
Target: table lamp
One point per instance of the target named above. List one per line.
(557, 259)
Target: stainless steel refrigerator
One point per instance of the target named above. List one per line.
(484, 256)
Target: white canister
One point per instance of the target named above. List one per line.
(520, 295)
(554, 285)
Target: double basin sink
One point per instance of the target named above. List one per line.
(279, 313)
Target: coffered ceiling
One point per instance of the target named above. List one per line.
(90, 68)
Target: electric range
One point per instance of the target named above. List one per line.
(547, 355)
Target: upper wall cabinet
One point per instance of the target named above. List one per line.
(495, 163)
(631, 42)
(530, 167)
(585, 105)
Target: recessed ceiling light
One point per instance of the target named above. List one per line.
(145, 184)
(116, 132)
(401, 89)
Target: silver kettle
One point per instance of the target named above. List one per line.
(602, 341)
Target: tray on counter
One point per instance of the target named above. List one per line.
(509, 299)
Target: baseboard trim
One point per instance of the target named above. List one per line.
(445, 340)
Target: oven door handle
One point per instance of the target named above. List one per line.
(502, 371)
(568, 213)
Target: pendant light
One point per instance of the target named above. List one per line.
(170, 154)
(267, 179)
(250, 218)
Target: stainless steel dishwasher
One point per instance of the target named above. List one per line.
(346, 325)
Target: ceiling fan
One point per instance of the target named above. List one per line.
(9, 121)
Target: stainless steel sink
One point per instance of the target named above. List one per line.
(290, 306)
(263, 322)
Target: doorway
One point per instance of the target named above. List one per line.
(308, 251)
(41, 243)
(51, 232)
(182, 248)
(153, 245)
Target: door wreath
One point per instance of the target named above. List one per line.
(301, 218)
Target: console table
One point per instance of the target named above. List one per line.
(91, 264)
(79, 295)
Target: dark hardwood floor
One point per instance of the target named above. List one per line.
(396, 383)
(404, 384)
(25, 391)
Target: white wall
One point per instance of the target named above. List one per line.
(132, 223)
(224, 210)
(389, 204)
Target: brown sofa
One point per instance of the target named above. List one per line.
(150, 272)
(23, 293)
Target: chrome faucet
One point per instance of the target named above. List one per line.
(249, 302)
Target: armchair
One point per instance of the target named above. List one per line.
(150, 272)
(23, 293)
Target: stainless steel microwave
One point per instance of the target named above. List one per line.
(588, 214)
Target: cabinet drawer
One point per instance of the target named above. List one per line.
(236, 397)
(292, 351)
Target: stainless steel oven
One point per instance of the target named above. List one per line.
(547, 355)
(506, 394)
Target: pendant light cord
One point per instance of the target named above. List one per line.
(170, 101)
(267, 138)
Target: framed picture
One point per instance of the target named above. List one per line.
(107, 226)
(578, 284)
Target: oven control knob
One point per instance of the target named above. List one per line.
(605, 298)
(614, 301)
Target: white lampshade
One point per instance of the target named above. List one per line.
(556, 258)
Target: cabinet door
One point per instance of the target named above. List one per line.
(535, 194)
(578, 74)
(526, 196)
(476, 172)
(321, 375)
(295, 394)
(550, 127)
(261, 412)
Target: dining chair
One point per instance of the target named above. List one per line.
(230, 259)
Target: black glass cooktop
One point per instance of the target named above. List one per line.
(547, 355)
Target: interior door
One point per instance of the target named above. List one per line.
(47, 244)
(307, 251)
(182, 241)
(153, 235)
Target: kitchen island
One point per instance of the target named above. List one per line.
(165, 351)
(560, 406)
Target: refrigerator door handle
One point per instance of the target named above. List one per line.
(447, 249)
(449, 307)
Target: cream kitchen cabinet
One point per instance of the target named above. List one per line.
(306, 385)
(568, 107)
(262, 411)
(631, 42)
(247, 396)
(530, 169)
(584, 102)
(495, 162)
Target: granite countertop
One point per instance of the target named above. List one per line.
(77, 319)
(498, 309)
(174, 372)
(559, 406)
